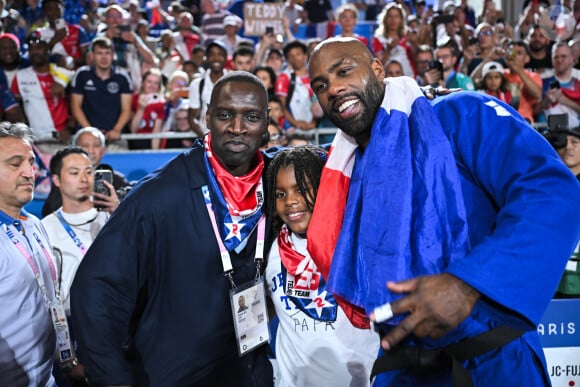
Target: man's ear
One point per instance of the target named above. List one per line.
(56, 180)
(378, 69)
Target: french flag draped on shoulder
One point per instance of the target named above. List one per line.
(392, 212)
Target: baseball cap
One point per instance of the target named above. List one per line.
(35, 37)
(217, 43)
(232, 20)
(492, 67)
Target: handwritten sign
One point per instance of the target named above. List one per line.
(258, 16)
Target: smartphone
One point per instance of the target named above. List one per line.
(124, 28)
(100, 176)
(59, 24)
(269, 30)
(435, 64)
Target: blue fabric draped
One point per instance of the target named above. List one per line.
(405, 214)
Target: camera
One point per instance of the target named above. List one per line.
(555, 84)
(443, 19)
(269, 30)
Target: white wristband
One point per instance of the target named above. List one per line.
(383, 313)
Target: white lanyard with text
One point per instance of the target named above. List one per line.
(225, 255)
(30, 260)
(77, 241)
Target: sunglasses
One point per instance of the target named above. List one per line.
(486, 33)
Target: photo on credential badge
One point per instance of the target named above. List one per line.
(249, 314)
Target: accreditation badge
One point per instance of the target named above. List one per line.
(66, 356)
(250, 315)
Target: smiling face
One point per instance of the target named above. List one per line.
(348, 84)
(16, 174)
(237, 118)
(291, 204)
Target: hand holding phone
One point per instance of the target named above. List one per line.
(100, 176)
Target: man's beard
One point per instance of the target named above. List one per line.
(370, 100)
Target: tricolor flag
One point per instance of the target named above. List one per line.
(392, 212)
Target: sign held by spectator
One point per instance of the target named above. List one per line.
(258, 16)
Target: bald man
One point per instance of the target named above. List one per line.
(468, 246)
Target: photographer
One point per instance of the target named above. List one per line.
(447, 53)
(561, 91)
(567, 145)
(524, 85)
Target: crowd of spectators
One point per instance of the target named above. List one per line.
(129, 67)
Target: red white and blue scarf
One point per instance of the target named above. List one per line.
(236, 200)
(303, 283)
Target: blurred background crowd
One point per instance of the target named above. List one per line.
(142, 71)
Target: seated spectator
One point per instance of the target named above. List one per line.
(524, 85)
(212, 24)
(9, 109)
(243, 59)
(40, 88)
(148, 107)
(142, 30)
(175, 98)
(489, 49)
(275, 135)
(298, 139)
(10, 57)
(294, 89)
(494, 82)
(393, 68)
(277, 113)
(200, 88)
(68, 43)
(540, 52)
(169, 58)
(447, 54)
(182, 127)
(186, 35)
(101, 93)
(427, 74)
(347, 17)
(130, 51)
(389, 41)
(268, 78)
(275, 59)
(191, 69)
(231, 39)
(561, 91)
(318, 15)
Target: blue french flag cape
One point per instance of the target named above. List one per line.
(405, 214)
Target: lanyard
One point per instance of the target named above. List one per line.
(225, 255)
(30, 260)
(77, 241)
